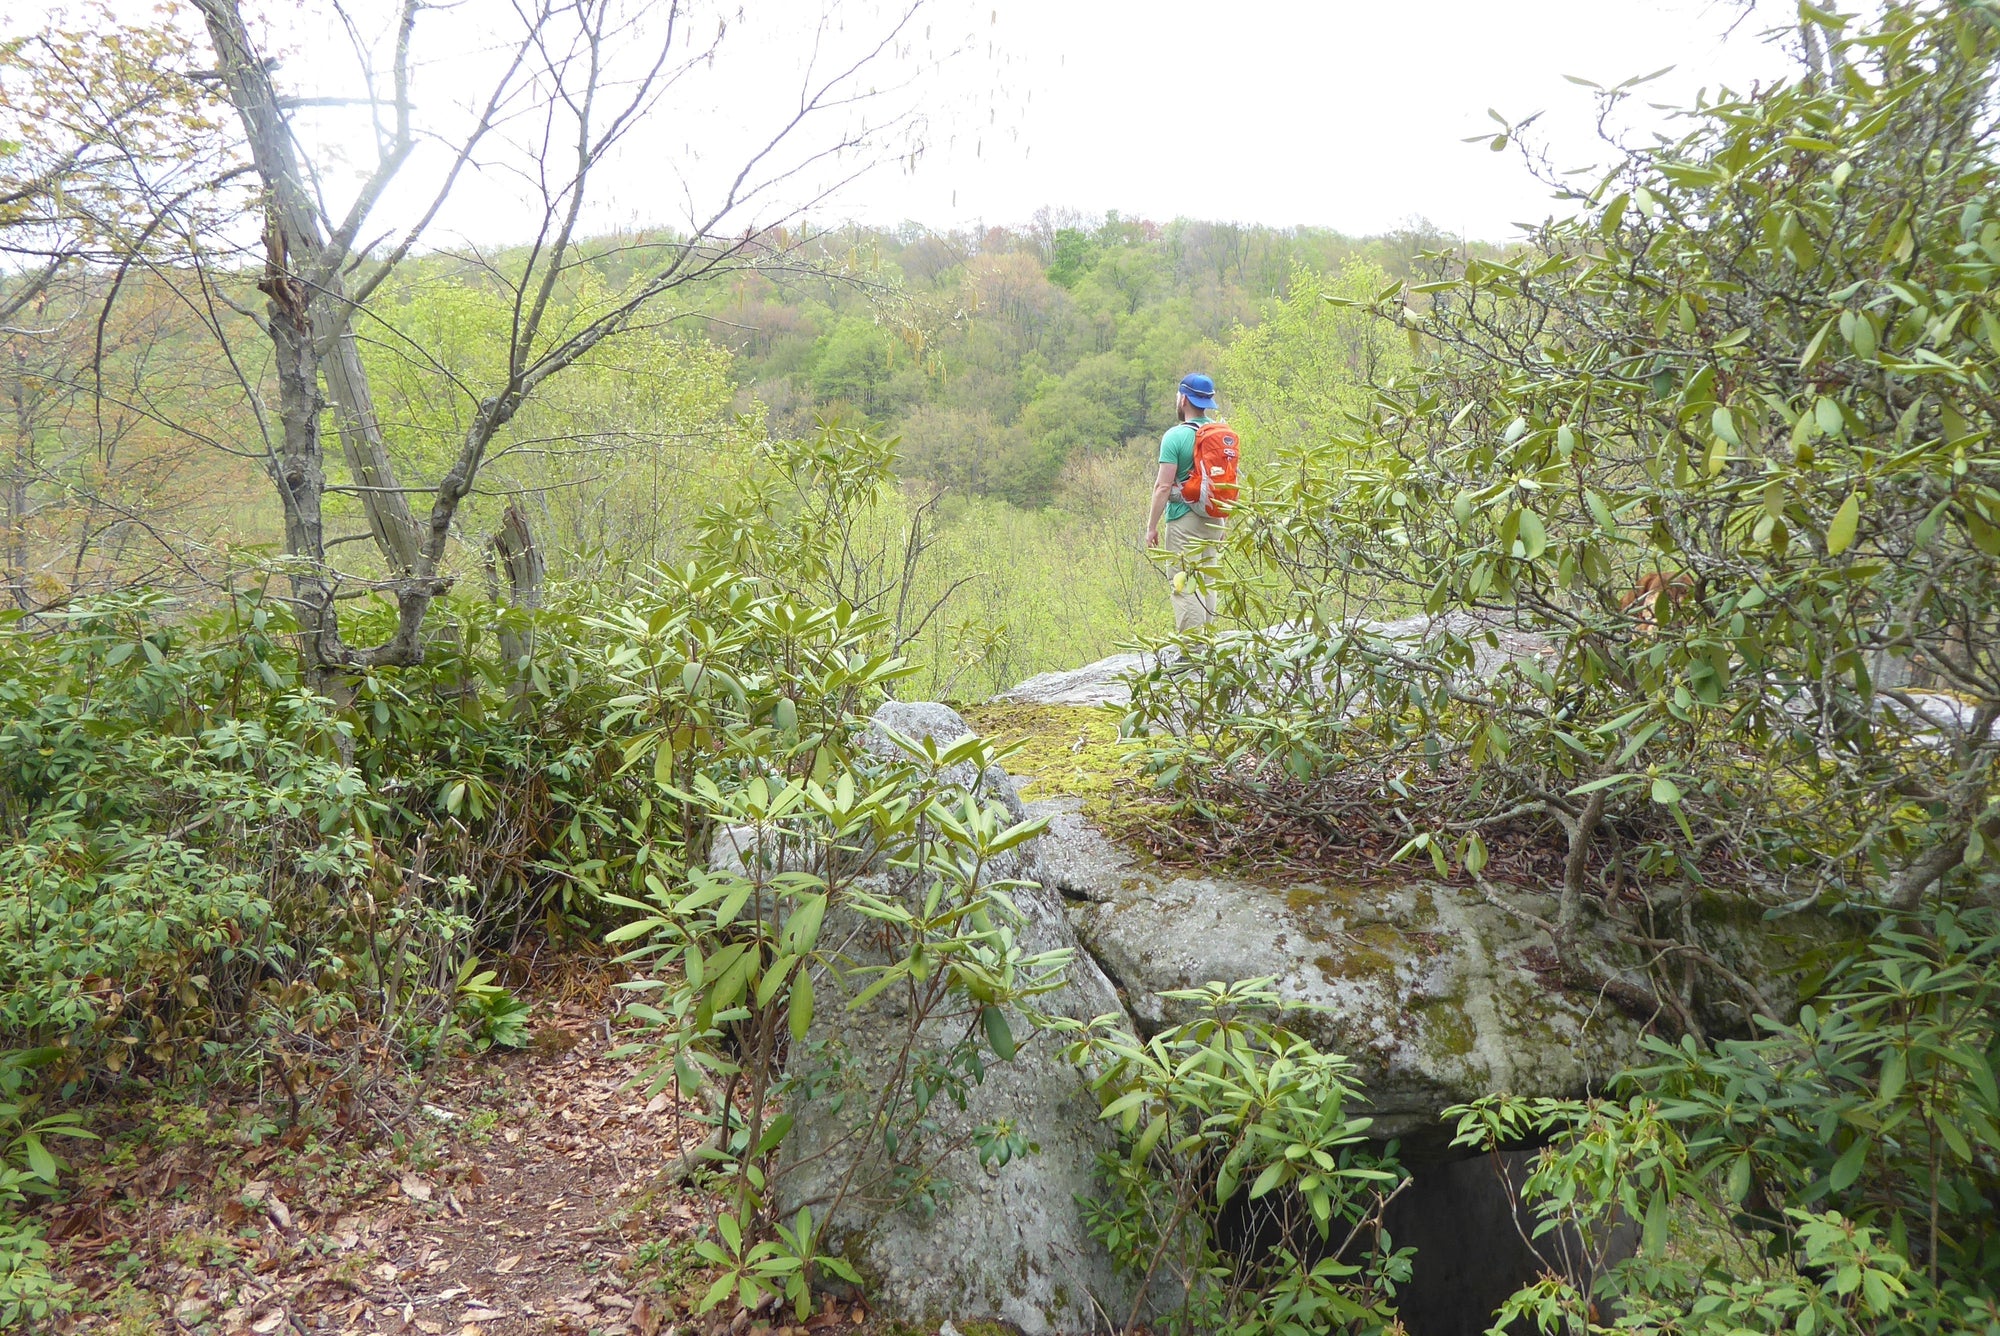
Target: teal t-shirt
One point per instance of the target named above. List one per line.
(1177, 448)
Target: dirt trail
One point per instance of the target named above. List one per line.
(544, 1207)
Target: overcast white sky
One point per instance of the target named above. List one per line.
(1340, 113)
(1345, 113)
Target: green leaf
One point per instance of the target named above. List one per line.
(799, 1014)
(1724, 423)
(1149, 1138)
(998, 1035)
(1955, 426)
(1817, 342)
(1600, 510)
(802, 928)
(1739, 1178)
(1653, 1235)
(1848, 1167)
(1665, 792)
(1840, 533)
(1534, 539)
(40, 1163)
(1895, 1070)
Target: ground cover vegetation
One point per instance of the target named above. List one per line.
(298, 782)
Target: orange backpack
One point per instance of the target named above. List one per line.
(1211, 483)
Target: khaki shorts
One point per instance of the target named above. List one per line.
(1194, 605)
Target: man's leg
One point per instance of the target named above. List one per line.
(1194, 604)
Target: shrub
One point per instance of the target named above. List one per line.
(1835, 1173)
(1723, 441)
(869, 888)
(1242, 1184)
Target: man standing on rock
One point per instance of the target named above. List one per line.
(1194, 490)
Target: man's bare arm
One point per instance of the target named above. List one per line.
(1163, 491)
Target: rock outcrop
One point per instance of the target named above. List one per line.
(1008, 1244)
(1109, 680)
(1439, 993)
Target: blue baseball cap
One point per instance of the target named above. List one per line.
(1199, 389)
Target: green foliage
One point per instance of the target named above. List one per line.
(203, 860)
(1231, 1125)
(1299, 376)
(620, 453)
(29, 1291)
(1006, 359)
(1076, 253)
(809, 841)
(1754, 371)
(493, 1016)
(1723, 443)
(1836, 1173)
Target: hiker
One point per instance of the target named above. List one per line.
(1193, 492)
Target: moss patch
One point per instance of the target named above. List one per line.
(1071, 751)
(1447, 1030)
(985, 1327)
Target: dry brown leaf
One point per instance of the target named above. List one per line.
(416, 1188)
(269, 1323)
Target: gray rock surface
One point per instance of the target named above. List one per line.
(1075, 858)
(1430, 990)
(1005, 1243)
(1106, 682)
(1438, 995)
(1008, 1244)
(917, 720)
(1109, 680)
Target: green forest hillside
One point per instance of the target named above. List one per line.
(1005, 359)
(1019, 377)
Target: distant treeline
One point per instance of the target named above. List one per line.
(999, 357)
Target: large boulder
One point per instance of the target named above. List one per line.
(1440, 993)
(1108, 681)
(1010, 1243)
(1437, 995)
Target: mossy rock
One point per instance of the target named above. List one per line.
(1072, 752)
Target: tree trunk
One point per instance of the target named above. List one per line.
(517, 554)
(298, 471)
(337, 355)
(17, 486)
(312, 336)
(514, 552)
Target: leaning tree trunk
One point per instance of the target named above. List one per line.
(311, 330)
